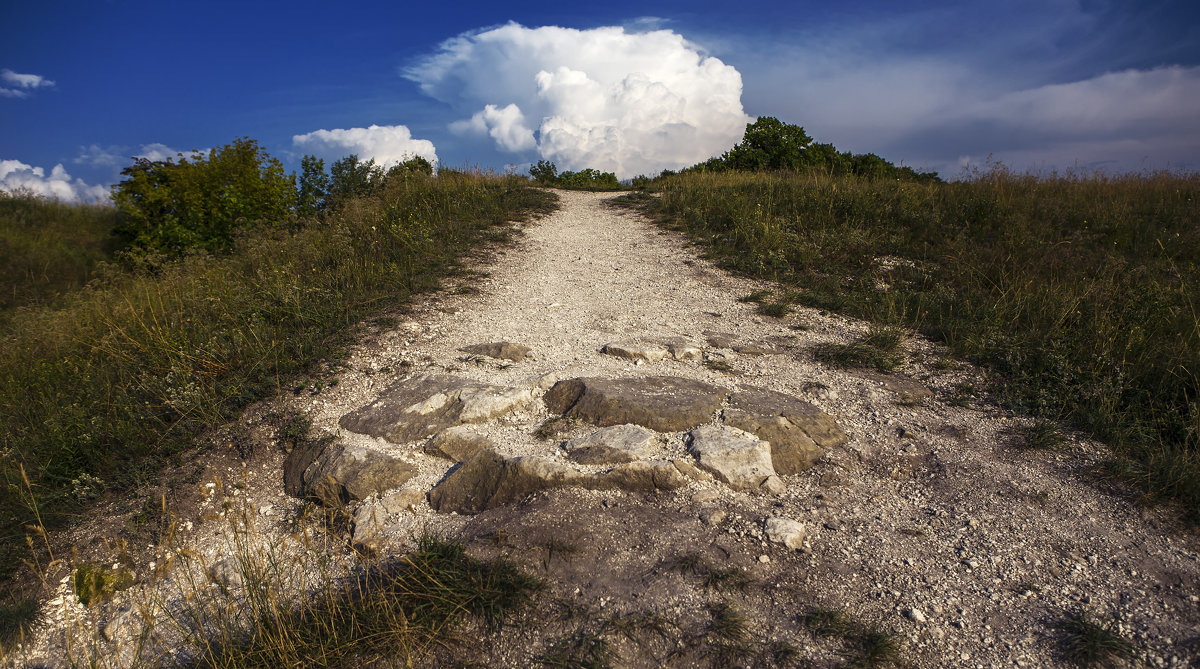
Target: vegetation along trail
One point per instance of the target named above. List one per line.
(690, 483)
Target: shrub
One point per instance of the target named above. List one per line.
(199, 202)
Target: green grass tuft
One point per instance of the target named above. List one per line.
(879, 349)
(580, 651)
(16, 618)
(1086, 642)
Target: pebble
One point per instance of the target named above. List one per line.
(916, 615)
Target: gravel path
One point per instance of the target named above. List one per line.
(930, 522)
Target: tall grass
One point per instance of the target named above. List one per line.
(98, 391)
(1082, 291)
(48, 248)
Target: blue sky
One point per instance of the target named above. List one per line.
(623, 86)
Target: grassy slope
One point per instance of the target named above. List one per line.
(49, 248)
(97, 391)
(1083, 292)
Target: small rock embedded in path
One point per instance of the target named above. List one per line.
(501, 350)
(915, 615)
(790, 533)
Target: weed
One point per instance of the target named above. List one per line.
(580, 651)
(1042, 436)
(725, 580)
(728, 624)
(633, 625)
(780, 654)
(878, 349)
(824, 622)
(719, 365)
(16, 618)
(874, 648)
(757, 297)
(1086, 642)
(691, 563)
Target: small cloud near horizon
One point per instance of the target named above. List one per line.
(19, 85)
(18, 177)
(385, 144)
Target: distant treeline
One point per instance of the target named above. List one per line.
(772, 145)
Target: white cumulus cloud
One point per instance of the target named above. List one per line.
(18, 85)
(385, 144)
(18, 177)
(506, 126)
(625, 102)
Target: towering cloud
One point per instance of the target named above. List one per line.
(630, 103)
(385, 144)
(17, 177)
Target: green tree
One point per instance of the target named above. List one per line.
(199, 202)
(769, 144)
(545, 172)
(415, 167)
(314, 186)
(351, 178)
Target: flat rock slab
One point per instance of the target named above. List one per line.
(421, 406)
(799, 433)
(338, 474)
(501, 350)
(735, 457)
(719, 339)
(636, 351)
(612, 445)
(489, 479)
(457, 443)
(661, 403)
(907, 390)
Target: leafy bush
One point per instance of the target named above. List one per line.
(546, 174)
(772, 145)
(199, 202)
(588, 179)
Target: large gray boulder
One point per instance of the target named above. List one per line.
(418, 407)
(661, 403)
(612, 445)
(735, 457)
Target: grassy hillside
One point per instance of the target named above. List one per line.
(102, 386)
(49, 248)
(1082, 292)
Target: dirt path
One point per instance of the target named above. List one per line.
(928, 521)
